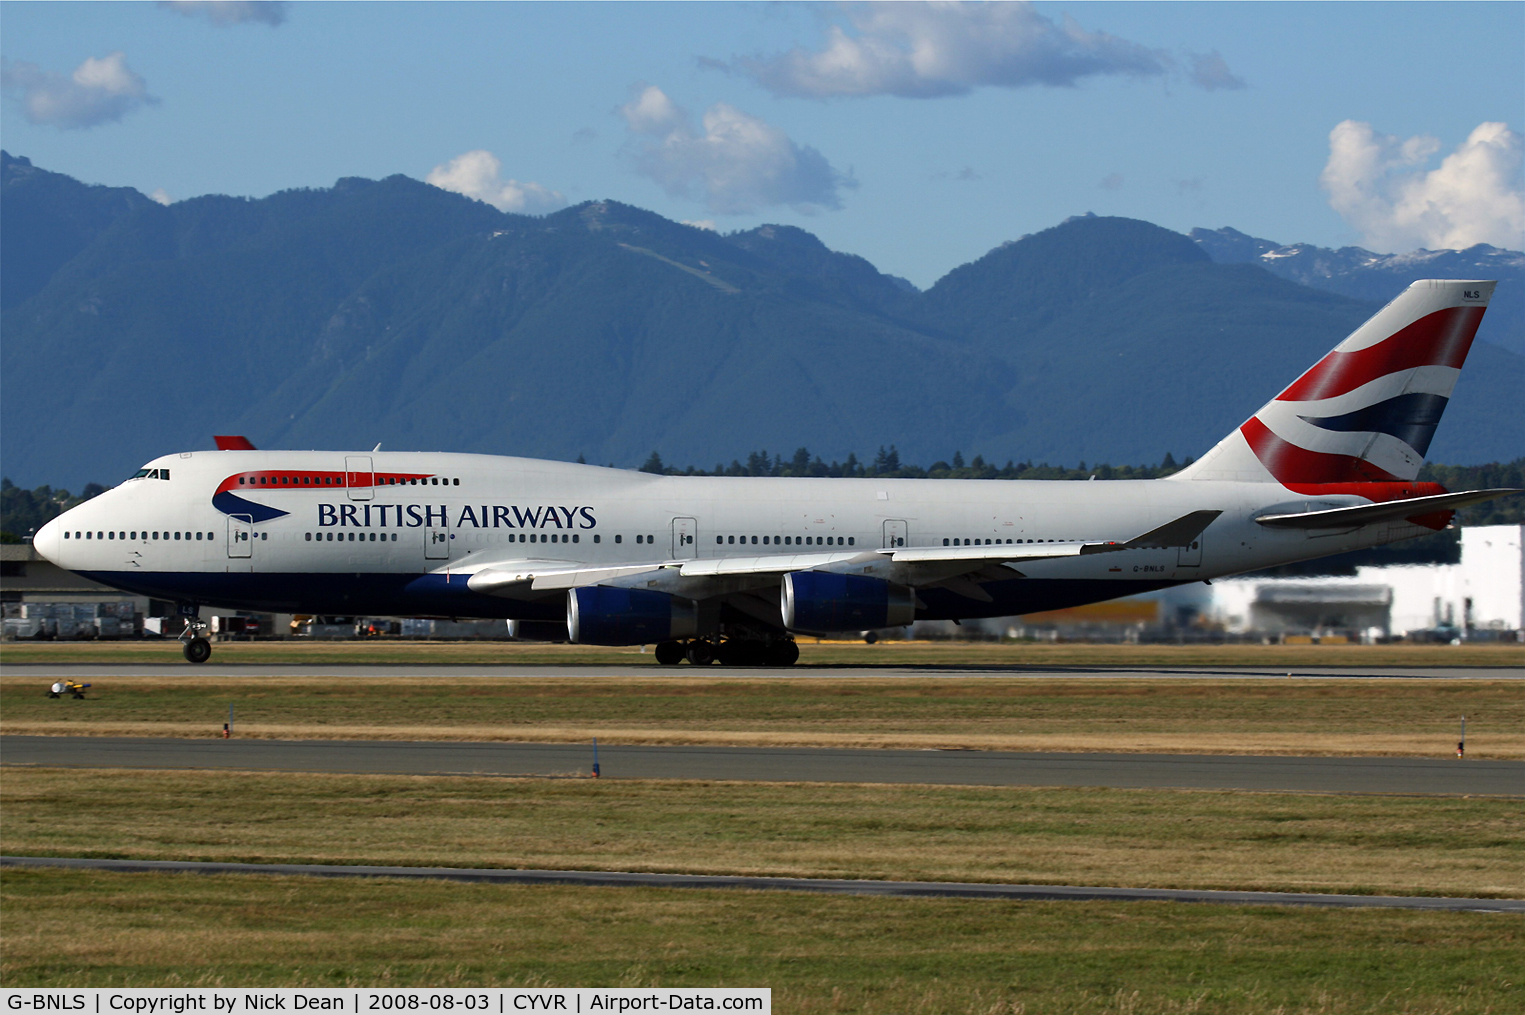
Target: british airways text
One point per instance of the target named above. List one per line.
(477, 516)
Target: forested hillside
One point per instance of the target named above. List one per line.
(392, 311)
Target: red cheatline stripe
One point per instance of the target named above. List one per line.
(1438, 339)
(315, 479)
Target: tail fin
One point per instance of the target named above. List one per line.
(1366, 412)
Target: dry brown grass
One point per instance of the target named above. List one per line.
(1410, 717)
(1141, 838)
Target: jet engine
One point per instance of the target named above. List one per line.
(822, 601)
(603, 615)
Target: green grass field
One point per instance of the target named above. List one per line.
(1138, 838)
(819, 954)
(1416, 717)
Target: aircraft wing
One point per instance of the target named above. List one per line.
(531, 578)
(1366, 514)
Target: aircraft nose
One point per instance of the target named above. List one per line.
(49, 541)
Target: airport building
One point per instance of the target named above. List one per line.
(1481, 597)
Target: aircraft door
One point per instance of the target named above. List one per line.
(896, 532)
(359, 477)
(685, 538)
(240, 535)
(1190, 556)
(437, 538)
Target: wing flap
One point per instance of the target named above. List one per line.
(779, 563)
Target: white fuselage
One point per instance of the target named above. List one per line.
(325, 532)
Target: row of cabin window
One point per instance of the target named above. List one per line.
(794, 540)
(998, 542)
(134, 535)
(328, 537)
(333, 481)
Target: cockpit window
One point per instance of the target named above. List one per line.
(141, 473)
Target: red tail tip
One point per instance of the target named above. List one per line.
(227, 443)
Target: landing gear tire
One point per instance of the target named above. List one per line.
(198, 650)
(783, 653)
(669, 653)
(701, 653)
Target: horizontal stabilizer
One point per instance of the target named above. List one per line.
(1367, 514)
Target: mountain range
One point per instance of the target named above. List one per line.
(395, 312)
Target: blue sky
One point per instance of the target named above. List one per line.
(918, 137)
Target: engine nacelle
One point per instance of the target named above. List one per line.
(603, 615)
(823, 601)
(537, 630)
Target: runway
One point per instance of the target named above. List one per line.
(174, 666)
(904, 889)
(1420, 776)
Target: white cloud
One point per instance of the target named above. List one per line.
(1378, 184)
(707, 224)
(476, 174)
(161, 196)
(230, 12)
(735, 163)
(99, 91)
(926, 50)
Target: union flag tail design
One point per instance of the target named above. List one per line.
(1365, 413)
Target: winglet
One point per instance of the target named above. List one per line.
(225, 443)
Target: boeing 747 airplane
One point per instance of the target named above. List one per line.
(726, 568)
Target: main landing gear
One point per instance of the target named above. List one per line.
(731, 652)
(196, 648)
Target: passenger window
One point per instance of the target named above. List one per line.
(574, 537)
(754, 540)
(731, 539)
(618, 538)
(455, 482)
(394, 537)
(309, 537)
(177, 535)
(850, 540)
(596, 538)
(640, 539)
